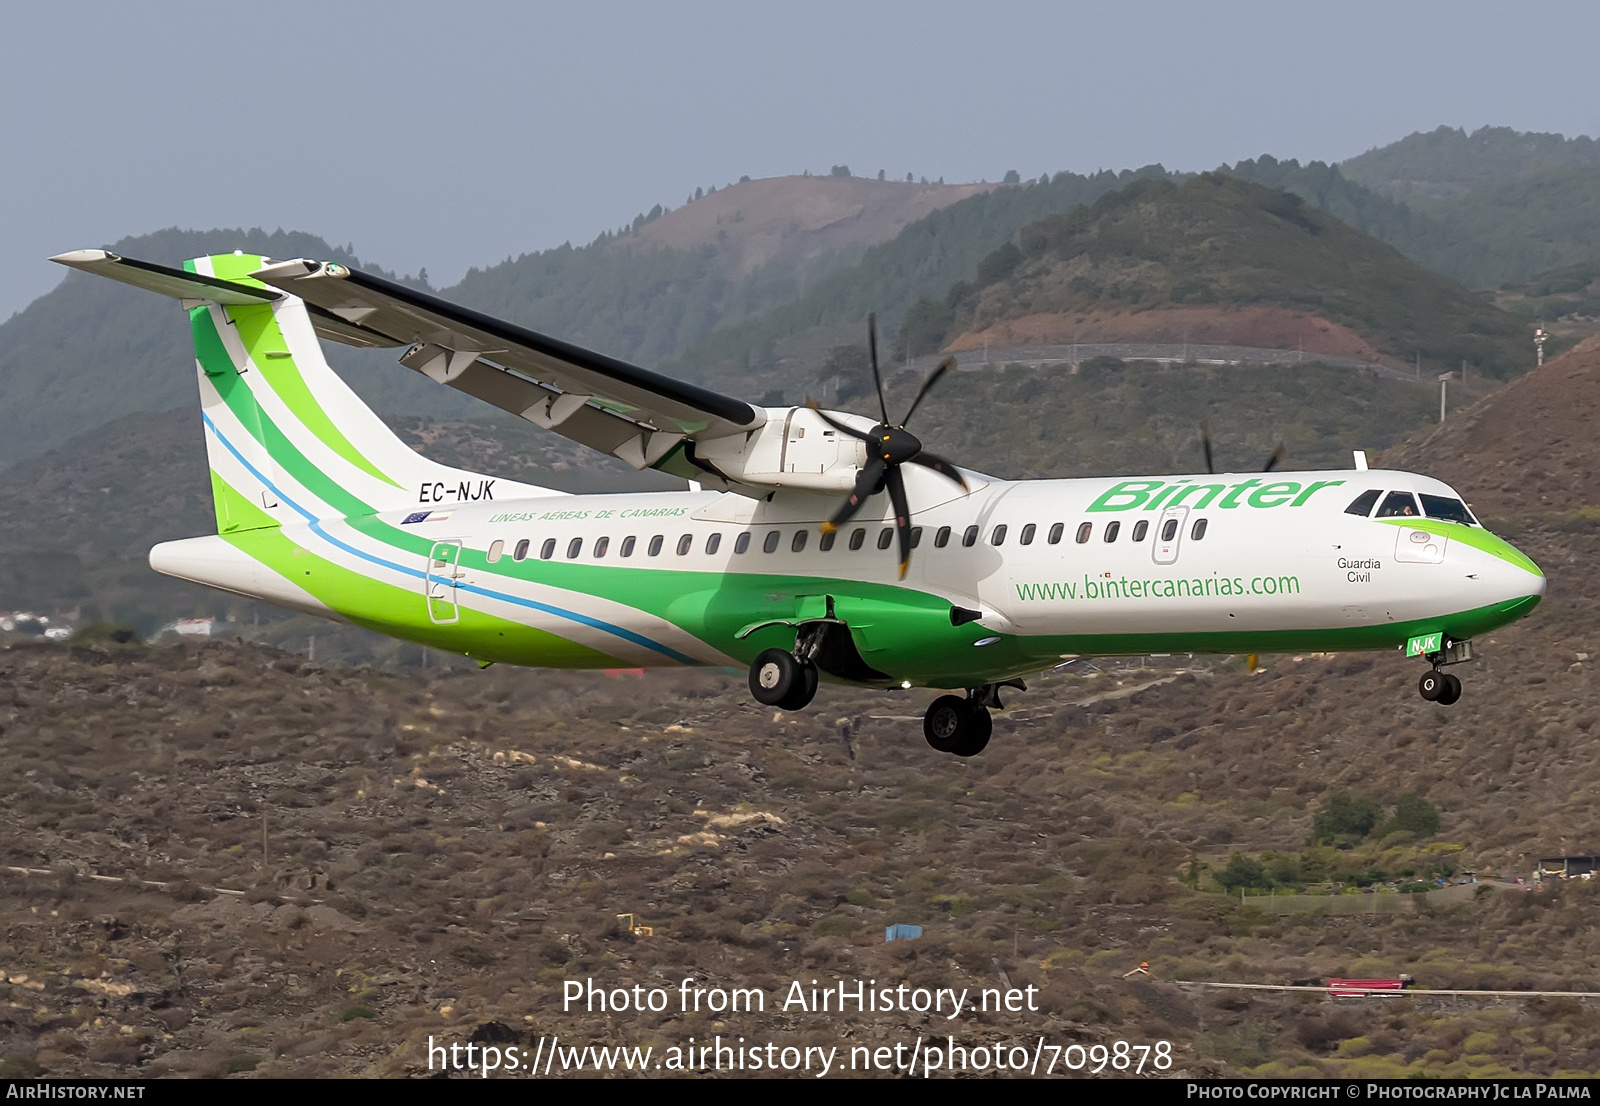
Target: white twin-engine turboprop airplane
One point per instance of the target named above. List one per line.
(322, 509)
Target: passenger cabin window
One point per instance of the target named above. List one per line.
(1198, 530)
(941, 537)
(520, 553)
(1399, 505)
(885, 537)
(1112, 530)
(916, 536)
(496, 548)
(1363, 503)
(1055, 533)
(969, 537)
(770, 543)
(1140, 529)
(713, 543)
(741, 544)
(574, 547)
(654, 548)
(1445, 509)
(685, 543)
(600, 547)
(857, 536)
(1169, 529)
(997, 536)
(1084, 530)
(826, 543)
(547, 550)
(627, 546)
(798, 542)
(1026, 537)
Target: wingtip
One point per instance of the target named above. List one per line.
(84, 257)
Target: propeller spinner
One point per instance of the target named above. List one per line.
(889, 447)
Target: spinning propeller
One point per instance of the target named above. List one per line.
(1205, 442)
(889, 447)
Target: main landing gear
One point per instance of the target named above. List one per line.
(1441, 687)
(963, 726)
(778, 678)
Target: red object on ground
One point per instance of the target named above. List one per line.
(1358, 987)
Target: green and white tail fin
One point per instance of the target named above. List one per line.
(287, 439)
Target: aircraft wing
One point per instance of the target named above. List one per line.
(621, 409)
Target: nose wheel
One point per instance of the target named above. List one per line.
(1439, 687)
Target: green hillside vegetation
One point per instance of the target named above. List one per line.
(1507, 228)
(1217, 240)
(642, 305)
(1565, 300)
(1448, 161)
(923, 260)
(1112, 417)
(1513, 231)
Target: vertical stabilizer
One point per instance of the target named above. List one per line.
(287, 439)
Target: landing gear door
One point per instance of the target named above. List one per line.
(1169, 534)
(440, 580)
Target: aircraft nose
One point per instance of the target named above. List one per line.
(1512, 574)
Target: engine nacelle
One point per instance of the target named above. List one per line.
(794, 448)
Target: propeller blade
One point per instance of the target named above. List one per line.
(837, 425)
(902, 516)
(1277, 456)
(872, 346)
(944, 366)
(1205, 443)
(866, 483)
(941, 466)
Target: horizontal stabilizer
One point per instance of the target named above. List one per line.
(169, 282)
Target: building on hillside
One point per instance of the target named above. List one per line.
(1566, 867)
(197, 628)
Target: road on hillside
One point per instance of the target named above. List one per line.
(1176, 353)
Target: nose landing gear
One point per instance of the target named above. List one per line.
(1441, 687)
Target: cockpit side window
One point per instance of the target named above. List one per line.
(1399, 504)
(1362, 505)
(1445, 509)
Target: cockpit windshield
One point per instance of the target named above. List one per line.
(1399, 505)
(1445, 509)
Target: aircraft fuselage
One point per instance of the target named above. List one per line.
(1051, 569)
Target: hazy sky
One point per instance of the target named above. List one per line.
(446, 136)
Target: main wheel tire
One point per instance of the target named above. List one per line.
(944, 723)
(775, 676)
(980, 726)
(805, 688)
(1432, 685)
(1451, 691)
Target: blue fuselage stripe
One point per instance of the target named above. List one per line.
(532, 604)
